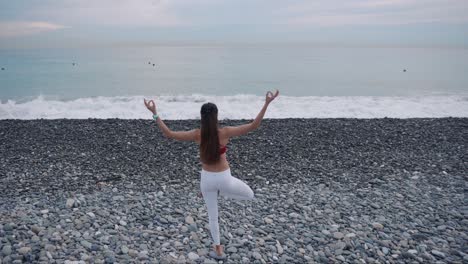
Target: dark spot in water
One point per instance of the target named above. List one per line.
(153, 64)
(3, 69)
(404, 70)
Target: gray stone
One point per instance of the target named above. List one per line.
(70, 202)
(257, 255)
(36, 229)
(132, 253)
(240, 231)
(385, 250)
(437, 253)
(8, 227)
(338, 235)
(124, 249)
(231, 249)
(294, 215)
(377, 226)
(24, 250)
(189, 220)
(193, 256)
(86, 244)
(6, 250)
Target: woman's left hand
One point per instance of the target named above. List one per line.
(270, 96)
(151, 106)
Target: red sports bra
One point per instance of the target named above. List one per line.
(222, 150)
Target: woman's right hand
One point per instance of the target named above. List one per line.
(270, 96)
(150, 105)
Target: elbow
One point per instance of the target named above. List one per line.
(254, 125)
(167, 134)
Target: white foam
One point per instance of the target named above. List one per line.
(240, 107)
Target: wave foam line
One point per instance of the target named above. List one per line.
(239, 107)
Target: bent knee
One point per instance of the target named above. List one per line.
(250, 194)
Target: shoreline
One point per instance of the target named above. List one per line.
(183, 107)
(327, 190)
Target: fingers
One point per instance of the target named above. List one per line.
(269, 94)
(277, 93)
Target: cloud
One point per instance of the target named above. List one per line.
(144, 13)
(23, 28)
(379, 12)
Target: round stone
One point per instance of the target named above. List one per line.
(6, 250)
(24, 250)
(338, 235)
(189, 220)
(377, 226)
(231, 249)
(124, 249)
(257, 255)
(193, 256)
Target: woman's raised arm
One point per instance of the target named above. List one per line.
(234, 131)
(177, 135)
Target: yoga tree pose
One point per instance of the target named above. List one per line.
(215, 175)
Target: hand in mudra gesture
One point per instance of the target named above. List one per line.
(270, 96)
(150, 105)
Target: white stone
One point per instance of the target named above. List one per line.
(70, 202)
(193, 256)
(377, 225)
(189, 220)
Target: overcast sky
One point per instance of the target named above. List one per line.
(38, 23)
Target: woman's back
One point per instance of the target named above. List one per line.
(222, 164)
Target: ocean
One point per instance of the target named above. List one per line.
(315, 81)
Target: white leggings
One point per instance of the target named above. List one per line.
(228, 186)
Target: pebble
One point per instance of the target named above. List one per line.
(132, 253)
(294, 215)
(257, 255)
(24, 250)
(279, 248)
(377, 226)
(193, 256)
(231, 249)
(437, 253)
(86, 244)
(338, 235)
(189, 220)
(240, 231)
(6, 250)
(124, 249)
(70, 202)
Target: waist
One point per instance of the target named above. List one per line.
(226, 171)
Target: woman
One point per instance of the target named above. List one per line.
(215, 175)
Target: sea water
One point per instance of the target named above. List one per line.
(314, 81)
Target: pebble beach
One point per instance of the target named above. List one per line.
(326, 191)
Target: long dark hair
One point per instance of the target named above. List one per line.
(209, 143)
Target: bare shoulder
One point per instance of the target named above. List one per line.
(196, 131)
(224, 133)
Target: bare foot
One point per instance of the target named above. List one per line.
(219, 250)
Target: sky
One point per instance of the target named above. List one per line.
(71, 23)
